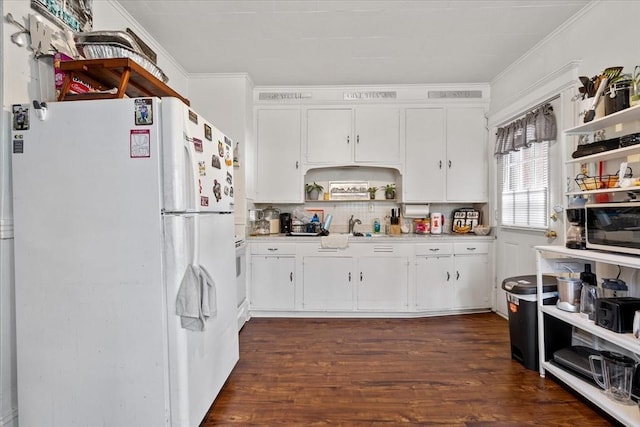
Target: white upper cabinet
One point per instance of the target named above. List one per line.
(425, 154)
(445, 155)
(353, 135)
(279, 176)
(466, 155)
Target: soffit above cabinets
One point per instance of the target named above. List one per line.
(351, 42)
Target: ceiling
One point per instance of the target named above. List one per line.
(348, 42)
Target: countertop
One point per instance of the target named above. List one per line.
(404, 238)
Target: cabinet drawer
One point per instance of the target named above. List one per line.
(434, 249)
(469, 248)
(273, 248)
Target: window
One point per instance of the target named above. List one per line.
(523, 178)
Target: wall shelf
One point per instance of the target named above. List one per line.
(124, 74)
(627, 115)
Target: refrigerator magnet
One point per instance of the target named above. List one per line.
(143, 111)
(217, 190)
(202, 168)
(229, 178)
(207, 132)
(193, 117)
(197, 145)
(227, 141)
(199, 186)
(204, 201)
(20, 117)
(220, 149)
(215, 161)
(226, 190)
(231, 191)
(140, 143)
(18, 144)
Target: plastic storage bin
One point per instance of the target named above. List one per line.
(523, 320)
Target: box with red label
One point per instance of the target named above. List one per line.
(77, 85)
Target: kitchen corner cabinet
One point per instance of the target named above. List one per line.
(353, 135)
(273, 271)
(452, 276)
(445, 155)
(550, 260)
(279, 178)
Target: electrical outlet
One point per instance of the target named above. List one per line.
(571, 267)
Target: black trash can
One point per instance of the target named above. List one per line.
(523, 315)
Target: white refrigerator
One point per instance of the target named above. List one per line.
(123, 218)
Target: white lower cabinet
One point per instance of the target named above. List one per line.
(471, 264)
(382, 283)
(370, 277)
(434, 284)
(327, 283)
(273, 277)
(452, 276)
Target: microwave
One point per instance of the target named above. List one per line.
(613, 227)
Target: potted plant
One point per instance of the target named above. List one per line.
(313, 191)
(372, 192)
(390, 191)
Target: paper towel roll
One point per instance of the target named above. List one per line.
(415, 211)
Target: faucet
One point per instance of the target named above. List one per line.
(352, 224)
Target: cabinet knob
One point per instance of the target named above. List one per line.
(357, 139)
(291, 277)
(434, 249)
(296, 164)
(457, 275)
(550, 234)
(449, 164)
(348, 137)
(361, 276)
(440, 164)
(448, 276)
(349, 276)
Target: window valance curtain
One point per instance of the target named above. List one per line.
(536, 126)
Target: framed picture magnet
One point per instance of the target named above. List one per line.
(143, 111)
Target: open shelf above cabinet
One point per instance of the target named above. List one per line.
(607, 155)
(627, 115)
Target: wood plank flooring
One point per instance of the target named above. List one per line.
(448, 371)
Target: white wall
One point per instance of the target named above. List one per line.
(604, 34)
(25, 79)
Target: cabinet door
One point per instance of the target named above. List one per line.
(472, 281)
(329, 135)
(466, 155)
(434, 283)
(272, 282)
(327, 283)
(382, 283)
(377, 135)
(425, 155)
(278, 159)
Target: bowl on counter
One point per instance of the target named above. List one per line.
(482, 230)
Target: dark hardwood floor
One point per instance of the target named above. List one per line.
(449, 371)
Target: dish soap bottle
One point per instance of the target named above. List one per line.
(376, 225)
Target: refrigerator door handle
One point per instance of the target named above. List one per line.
(192, 193)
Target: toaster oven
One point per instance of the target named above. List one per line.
(613, 227)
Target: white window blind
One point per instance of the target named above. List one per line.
(523, 178)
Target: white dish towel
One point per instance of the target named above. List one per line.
(196, 300)
(339, 241)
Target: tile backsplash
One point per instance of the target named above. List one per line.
(366, 212)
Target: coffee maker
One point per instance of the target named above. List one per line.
(285, 223)
(575, 238)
